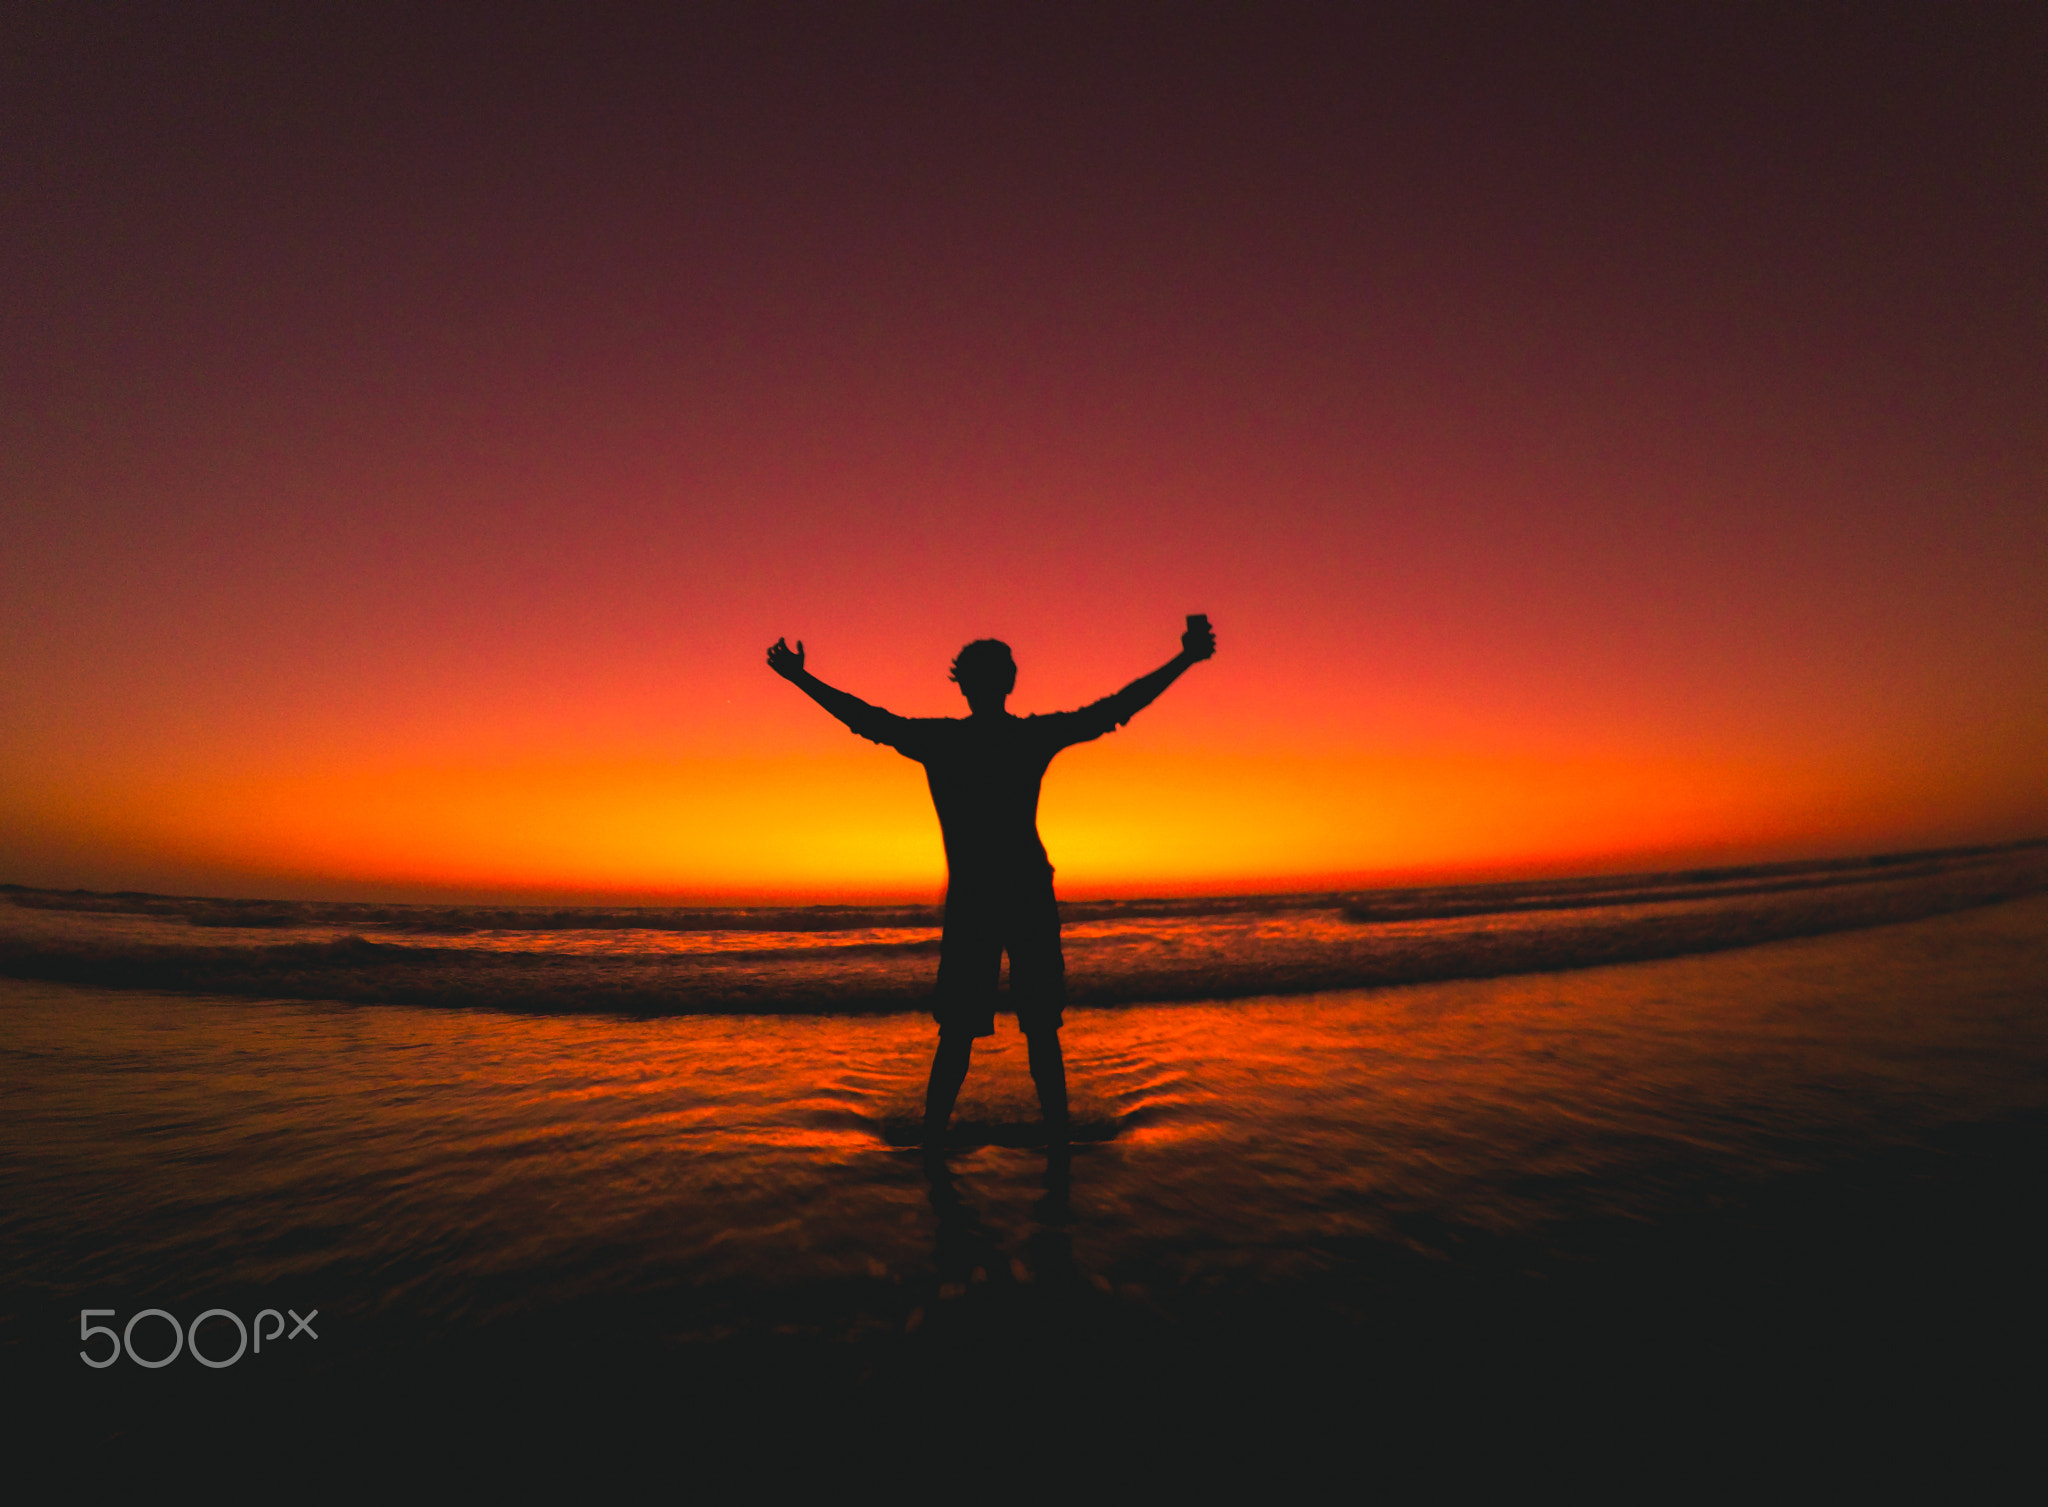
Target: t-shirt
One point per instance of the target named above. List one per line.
(984, 774)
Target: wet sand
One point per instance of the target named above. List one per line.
(1678, 1213)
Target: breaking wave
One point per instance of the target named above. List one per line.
(849, 959)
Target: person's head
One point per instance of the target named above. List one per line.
(985, 673)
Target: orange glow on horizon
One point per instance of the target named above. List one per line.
(1116, 821)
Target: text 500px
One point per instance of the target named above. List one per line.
(183, 1339)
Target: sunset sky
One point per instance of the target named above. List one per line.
(1602, 436)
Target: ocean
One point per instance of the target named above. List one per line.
(1744, 1153)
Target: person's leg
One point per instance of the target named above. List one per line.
(949, 1071)
(1038, 985)
(1049, 1072)
(970, 963)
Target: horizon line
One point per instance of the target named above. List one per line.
(1414, 880)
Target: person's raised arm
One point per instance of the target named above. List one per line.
(871, 722)
(1196, 645)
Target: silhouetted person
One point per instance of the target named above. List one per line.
(984, 770)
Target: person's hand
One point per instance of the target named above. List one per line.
(1199, 642)
(785, 661)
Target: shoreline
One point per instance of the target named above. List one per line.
(1711, 1205)
(887, 978)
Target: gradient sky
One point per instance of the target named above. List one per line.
(1603, 436)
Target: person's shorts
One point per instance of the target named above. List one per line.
(983, 922)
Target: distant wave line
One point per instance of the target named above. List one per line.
(1402, 903)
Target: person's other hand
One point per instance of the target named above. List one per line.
(1199, 642)
(785, 661)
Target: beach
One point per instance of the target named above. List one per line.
(1796, 1185)
(1482, 563)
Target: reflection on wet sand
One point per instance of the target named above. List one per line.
(1636, 1180)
